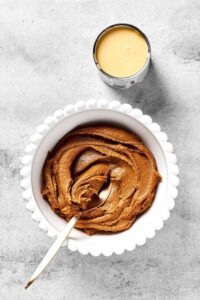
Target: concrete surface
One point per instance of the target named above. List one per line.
(46, 62)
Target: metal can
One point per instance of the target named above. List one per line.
(122, 82)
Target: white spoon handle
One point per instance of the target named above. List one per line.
(53, 250)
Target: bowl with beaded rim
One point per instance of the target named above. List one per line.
(63, 121)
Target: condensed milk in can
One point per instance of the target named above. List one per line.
(122, 55)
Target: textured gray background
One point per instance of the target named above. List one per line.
(45, 63)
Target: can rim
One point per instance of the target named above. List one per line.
(118, 25)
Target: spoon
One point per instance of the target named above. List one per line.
(103, 196)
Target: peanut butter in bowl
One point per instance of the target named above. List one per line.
(87, 159)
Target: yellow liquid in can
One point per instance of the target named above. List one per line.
(121, 51)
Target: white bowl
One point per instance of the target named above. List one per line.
(80, 113)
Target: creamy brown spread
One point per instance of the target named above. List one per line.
(84, 161)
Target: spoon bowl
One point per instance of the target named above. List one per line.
(85, 113)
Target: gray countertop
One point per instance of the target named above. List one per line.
(45, 63)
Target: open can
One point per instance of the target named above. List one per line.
(122, 82)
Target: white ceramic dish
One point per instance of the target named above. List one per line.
(55, 127)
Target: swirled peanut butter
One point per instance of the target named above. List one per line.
(87, 159)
